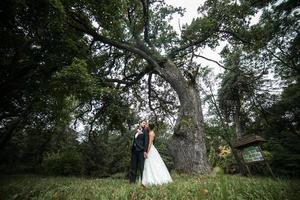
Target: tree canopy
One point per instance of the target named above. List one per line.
(98, 64)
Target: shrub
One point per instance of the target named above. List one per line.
(63, 163)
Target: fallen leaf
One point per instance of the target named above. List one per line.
(204, 191)
(55, 195)
(133, 196)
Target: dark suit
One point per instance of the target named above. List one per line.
(139, 146)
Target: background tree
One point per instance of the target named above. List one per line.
(76, 62)
(264, 50)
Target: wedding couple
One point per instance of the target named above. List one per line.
(146, 159)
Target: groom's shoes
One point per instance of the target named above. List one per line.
(131, 182)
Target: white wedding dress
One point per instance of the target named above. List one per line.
(155, 171)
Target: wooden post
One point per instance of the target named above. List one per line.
(267, 164)
(244, 164)
(247, 167)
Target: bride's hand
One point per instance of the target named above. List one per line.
(145, 155)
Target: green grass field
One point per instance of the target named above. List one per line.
(183, 187)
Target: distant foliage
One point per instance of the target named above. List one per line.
(161, 145)
(63, 163)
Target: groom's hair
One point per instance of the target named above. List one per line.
(151, 126)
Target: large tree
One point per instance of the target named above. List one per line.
(137, 36)
(135, 40)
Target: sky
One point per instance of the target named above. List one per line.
(191, 10)
(191, 7)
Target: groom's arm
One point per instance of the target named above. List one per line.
(146, 141)
(133, 140)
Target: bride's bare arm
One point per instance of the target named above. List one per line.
(151, 138)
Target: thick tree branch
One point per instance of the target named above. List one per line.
(211, 60)
(127, 82)
(145, 4)
(235, 35)
(85, 28)
(149, 92)
(175, 51)
(153, 94)
(281, 60)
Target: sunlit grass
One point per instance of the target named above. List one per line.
(183, 187)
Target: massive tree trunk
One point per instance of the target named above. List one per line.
(237, 116)
(187, 145)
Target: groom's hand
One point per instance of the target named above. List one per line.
(145, 155)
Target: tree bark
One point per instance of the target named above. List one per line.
(237, 116)
(187, 145)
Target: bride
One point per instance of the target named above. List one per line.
(155, 171)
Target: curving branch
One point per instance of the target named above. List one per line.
(149, 92)
(175, 51)
(127, 82)
(82, 26)
(236, 36)
(152, 94)
(146, 4)
(280, 60)
(149, 97)
(211, 60)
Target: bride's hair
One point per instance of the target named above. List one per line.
(151, 126)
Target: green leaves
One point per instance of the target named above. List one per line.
(74, 80)
(203, 29)
(57, 4)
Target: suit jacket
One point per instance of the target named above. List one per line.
(141, 142)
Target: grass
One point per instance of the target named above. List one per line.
(183, 187)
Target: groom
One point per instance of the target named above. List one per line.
(139, 152)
